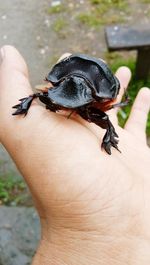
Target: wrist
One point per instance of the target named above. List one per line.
(86, 248)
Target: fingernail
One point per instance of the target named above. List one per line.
(1, 55)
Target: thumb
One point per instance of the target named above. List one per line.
(14, 83)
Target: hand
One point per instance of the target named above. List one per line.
(94, 208)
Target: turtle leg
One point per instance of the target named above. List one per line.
(24, 105)
(123, 103)
(101, 119)
(49, 104)
(52, 107)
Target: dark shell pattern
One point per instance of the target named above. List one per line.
(80, 79)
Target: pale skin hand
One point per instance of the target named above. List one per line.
(94, 208)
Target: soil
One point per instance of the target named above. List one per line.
(42, 34)
(19, 235)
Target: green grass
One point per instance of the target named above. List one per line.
(11, 190)
(106, 2)
(60, 28)
(145, 1)
(56, 9)
(89, 19)
(109, 3)
(134, 87)
(99, 13)
(59, 25)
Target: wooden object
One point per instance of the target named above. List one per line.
(131, 38)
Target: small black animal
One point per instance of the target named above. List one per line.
(84, 85)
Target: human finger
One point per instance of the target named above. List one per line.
(124, 75)
(136, 123)
(65, 55)
(14, 82)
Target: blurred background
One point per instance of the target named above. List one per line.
(42, 31)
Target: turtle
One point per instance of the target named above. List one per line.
(84, 85)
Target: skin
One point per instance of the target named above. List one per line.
(94, 208)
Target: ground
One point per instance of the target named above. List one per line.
(19, 235)
(42, 31)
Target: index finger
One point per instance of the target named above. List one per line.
(124, 75)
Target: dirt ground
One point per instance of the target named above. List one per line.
(43, 30)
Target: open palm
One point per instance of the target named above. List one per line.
(75, 184)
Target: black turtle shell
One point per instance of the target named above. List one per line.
(80, 79)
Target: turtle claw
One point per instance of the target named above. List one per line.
(106, 147)
(110, 140)
(16, 106)
(20, 111)
(22, 99)
(24, 106)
